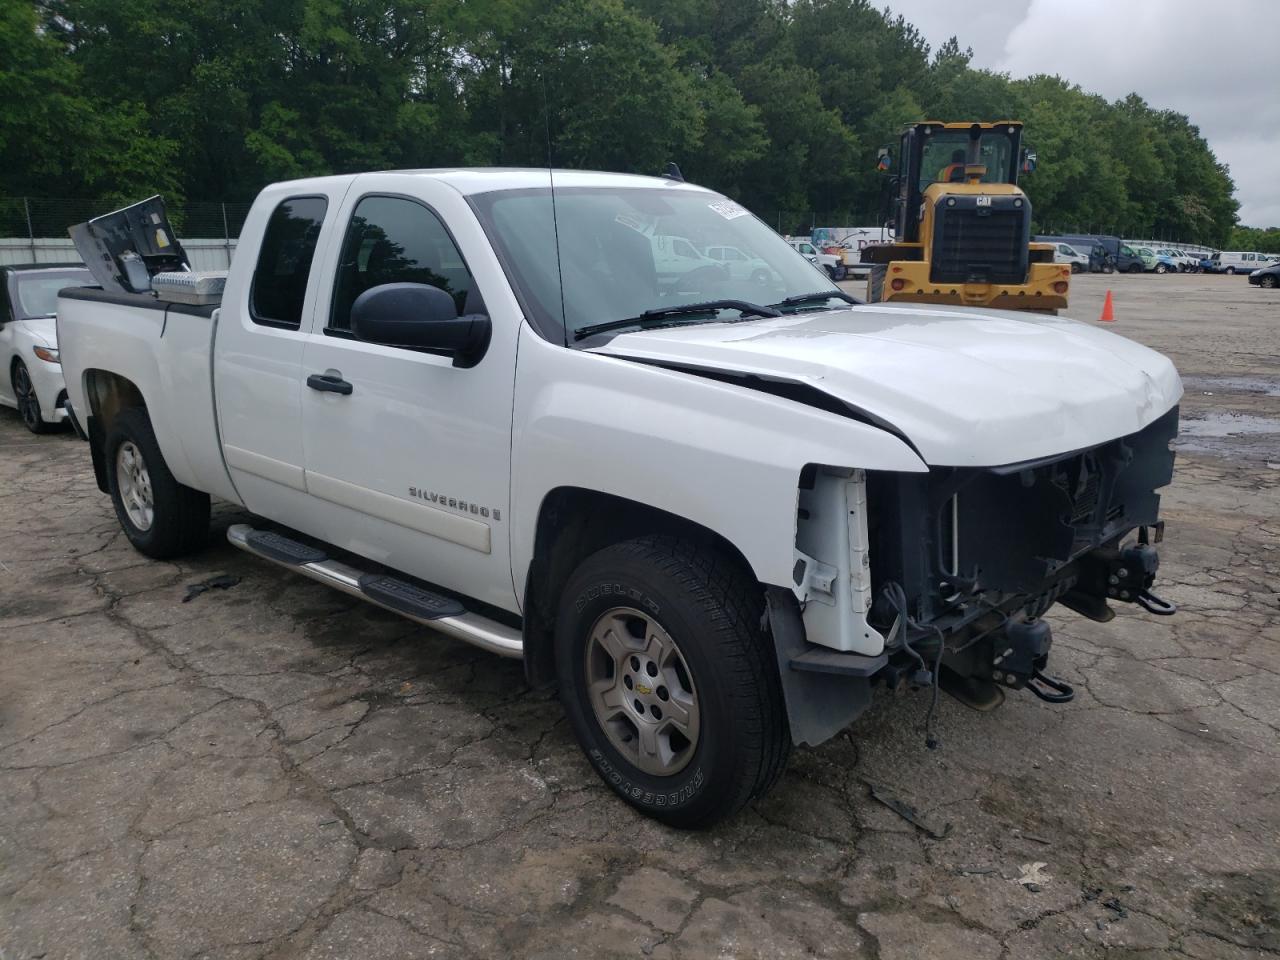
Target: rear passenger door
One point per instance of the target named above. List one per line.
(410, 466)
(263, 324)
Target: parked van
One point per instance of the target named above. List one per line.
(1124, 256)
(1237, 261)
(1065, 253)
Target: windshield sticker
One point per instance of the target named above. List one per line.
(728, 209)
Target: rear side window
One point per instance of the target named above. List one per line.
(395, 240)
(284, 262)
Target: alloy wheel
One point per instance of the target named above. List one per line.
(642, 692)
(134, 484)
(24, 393)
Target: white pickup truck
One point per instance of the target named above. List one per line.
(717, 519)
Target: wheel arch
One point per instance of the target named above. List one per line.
(573, 523)
(108, 394)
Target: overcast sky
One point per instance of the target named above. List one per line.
(1217, 62)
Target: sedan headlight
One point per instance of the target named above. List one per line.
(48, 354)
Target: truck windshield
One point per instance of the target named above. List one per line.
(38, 290)
(945, 154)
(624, 251)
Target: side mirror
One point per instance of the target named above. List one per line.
(884, 159)
(1028, 161)
(419, 316)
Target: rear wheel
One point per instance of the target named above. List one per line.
(840, 272)
(668, 681)
(161, 517)
(1076, 268)
(1135, 268)
(24, 394)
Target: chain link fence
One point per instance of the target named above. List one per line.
(34, 229)
(32, 218)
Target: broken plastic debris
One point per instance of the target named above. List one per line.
(1033, 875)
(221, 582)
(909, 813)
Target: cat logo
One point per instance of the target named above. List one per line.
(984, 201)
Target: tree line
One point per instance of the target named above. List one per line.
(780, 104)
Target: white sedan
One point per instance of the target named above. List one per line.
(29, 341)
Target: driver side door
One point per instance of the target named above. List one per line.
(409, 462)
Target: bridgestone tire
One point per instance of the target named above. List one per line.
(875, 282)
(181, 514)
(712, 611)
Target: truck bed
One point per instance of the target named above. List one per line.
(165, 349)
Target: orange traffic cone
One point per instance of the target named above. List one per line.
(1108, 314)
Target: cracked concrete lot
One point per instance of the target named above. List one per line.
(275, 770)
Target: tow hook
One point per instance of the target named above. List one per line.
(1133, 573)
(1019, 656)
(1153, 604)
(1059, 691)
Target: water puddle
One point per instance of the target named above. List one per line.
(1257, 384)
(1234, 436)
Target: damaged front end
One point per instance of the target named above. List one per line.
(968, 560)
(943, 578)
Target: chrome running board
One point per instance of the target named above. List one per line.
(399, 596)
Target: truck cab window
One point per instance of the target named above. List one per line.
(284, 262)
(394, 240)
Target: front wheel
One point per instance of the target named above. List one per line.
(1230, 271)
(1161, 268)
(840, 272)
(1268, 281)
(161, 517)
(1135, 268)
(1108, 269)
(24, 394)
(669, 683)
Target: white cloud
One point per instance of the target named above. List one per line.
(1217, 65)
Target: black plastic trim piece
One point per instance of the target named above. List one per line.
(142, 301)
(75, 420)
(278, 547)
(404, 597)
(97, 450)
(825, 660)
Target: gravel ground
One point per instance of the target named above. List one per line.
(274, 770)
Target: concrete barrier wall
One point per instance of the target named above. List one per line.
(203, 254)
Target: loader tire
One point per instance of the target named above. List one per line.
(875, 282)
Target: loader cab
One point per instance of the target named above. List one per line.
(962, 225)
(952, 154)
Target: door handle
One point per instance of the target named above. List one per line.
(328, 383)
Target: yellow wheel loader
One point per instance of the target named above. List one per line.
(962, 226)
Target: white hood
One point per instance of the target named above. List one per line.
(966, 387)
(43, 330)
